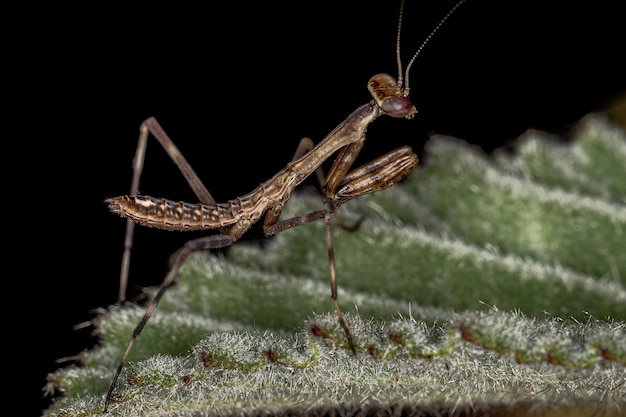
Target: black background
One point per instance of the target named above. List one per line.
(236, 86)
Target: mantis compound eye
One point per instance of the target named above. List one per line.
(400, 106)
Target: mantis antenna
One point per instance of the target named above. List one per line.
(401, 77)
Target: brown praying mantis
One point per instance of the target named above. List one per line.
(232, 219)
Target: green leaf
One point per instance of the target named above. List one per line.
(481, 284)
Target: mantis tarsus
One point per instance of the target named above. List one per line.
(233, 218)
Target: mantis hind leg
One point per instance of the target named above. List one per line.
(151, 127)
(203, 243)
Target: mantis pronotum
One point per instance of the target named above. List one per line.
(233, 218)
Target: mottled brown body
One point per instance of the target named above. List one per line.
(236, 216)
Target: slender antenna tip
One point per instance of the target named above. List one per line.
(424, 43)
